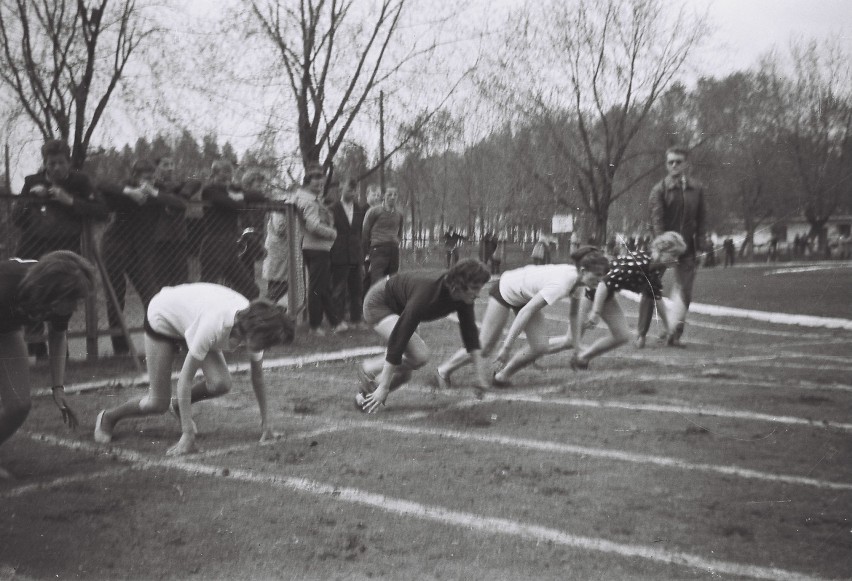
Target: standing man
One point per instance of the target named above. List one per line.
(347, 254)
(319, 235)
(677, 204)
(380, 238)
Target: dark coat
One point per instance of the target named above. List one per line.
(347, 245)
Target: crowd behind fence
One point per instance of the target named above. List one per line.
(136, 259)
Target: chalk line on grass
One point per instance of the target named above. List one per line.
(278, 362)
(60, 482)
(559, 448)
(680, 410)
(442, 515)
(745, 381)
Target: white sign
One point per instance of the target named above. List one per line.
(562, 223)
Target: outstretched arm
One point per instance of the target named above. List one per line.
(259, 386)
(57, 347)
(186, 444)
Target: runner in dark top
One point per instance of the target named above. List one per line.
(33, 292)
(397, 305)
(636, 271)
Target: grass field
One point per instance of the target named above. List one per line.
(725, 460)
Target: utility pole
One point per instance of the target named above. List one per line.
(382, 142)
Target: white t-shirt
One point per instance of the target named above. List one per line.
(202, 313)
(553, 281)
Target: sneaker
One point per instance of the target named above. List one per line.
(639, 342)
(317, 332)
(368, 381)
(674, 338)
(578, 364)
(101, 435)
(341, 327)
(175, 411)
(499, 382)
(443, 382)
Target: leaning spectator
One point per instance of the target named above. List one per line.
(127, 243)
(276, 263)
(171, 243)
(55, 202)
(220, 262)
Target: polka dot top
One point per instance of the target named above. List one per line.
(632, 271)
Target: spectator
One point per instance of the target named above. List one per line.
(677, 204)
(170, 231)
(276, 263)
(487, 248)
(251, 241)
(55, 202)
(380, 238)
(127, 245)
(539, 252)
(220, 261)
(730, 251)
(452, 240)
(347, 255)
(709, 253)
(319, 236)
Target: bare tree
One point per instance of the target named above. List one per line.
(63, 60)
(310, 37)
(591, 71)
(813, 113)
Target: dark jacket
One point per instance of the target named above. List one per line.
(44, 223)
(347, 245)
(678, 205)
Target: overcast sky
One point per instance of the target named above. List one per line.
(743, 31)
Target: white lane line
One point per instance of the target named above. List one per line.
(763, 316)
(60, 482)
(559, 448)
(680, 410)
(737, 381)
(797, 269)
(439, 514)
(300, 361)
(756, 360)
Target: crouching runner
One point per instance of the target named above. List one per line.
(397, 305)
(208, 319)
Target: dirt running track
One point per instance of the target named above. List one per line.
(726, 460)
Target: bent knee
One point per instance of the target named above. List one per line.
(219, 386)
(154, 405)
(417, 361)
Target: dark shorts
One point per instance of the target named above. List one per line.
(177, 342)
(376, 304)
(494, 293)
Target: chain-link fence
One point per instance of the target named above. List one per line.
(139, 250)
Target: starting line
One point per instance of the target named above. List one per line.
(439, 514)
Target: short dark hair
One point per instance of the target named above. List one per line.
(141, 166)
(55, 147)
(56, 276)
(466, 273)
(678, 150)
(590, 258)
(268, 321)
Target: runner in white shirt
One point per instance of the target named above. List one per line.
(205, 319)
(526, 291)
